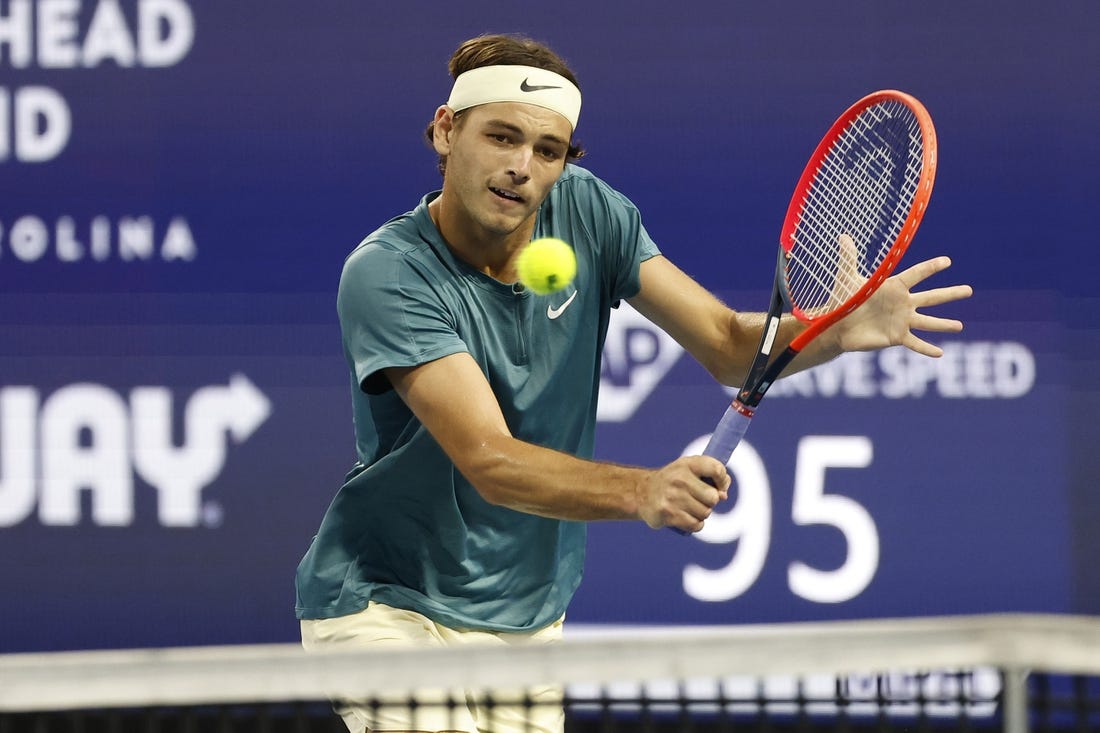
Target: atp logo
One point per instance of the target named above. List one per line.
(87, 437)
(636, 356)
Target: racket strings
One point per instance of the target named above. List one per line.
(855, 207)
(827, 270)
(854, 211)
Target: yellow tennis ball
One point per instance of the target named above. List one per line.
(546, 265)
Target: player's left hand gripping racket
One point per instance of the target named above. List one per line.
(856, 208)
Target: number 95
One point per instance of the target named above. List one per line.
(748, 524)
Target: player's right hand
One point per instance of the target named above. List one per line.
(683, 493)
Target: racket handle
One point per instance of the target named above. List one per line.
(731, 428)
(726, 436)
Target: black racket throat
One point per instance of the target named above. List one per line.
(763, 373)
(754, 389)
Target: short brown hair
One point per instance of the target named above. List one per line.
(505, 50)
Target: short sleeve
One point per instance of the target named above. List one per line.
(614, 224)
(624, 262)
(391, 315)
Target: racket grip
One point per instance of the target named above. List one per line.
(726, 436)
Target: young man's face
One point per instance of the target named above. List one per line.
(502, 160)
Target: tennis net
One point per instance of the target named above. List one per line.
(1014, 673)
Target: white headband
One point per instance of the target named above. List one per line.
(526, 84)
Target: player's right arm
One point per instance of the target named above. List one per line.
(453, 400)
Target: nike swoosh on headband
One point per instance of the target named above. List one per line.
(552, 313)
(525, 87)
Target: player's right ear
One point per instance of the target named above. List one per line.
(442, 130)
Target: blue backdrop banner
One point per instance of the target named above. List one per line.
(181, 181)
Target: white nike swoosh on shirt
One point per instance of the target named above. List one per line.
(552, 312)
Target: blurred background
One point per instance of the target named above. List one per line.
(181, 181)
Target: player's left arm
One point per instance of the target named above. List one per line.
(724, 340)
(721, 339)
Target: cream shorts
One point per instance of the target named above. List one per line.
(534, 710)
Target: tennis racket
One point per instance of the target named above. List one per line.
(853, 213)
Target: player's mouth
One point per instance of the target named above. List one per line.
(506, 194)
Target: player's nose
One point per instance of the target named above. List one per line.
(520, 165)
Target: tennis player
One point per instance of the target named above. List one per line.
(463, 521)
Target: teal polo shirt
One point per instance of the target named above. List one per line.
(406, 529)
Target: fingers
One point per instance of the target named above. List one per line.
(921, 322)
(921, 346)
(702, 497)
(922, 271)
(930, 298)
(710, 486)
(685, 492)
(848, 277)
(939, 296)
(712, 471)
